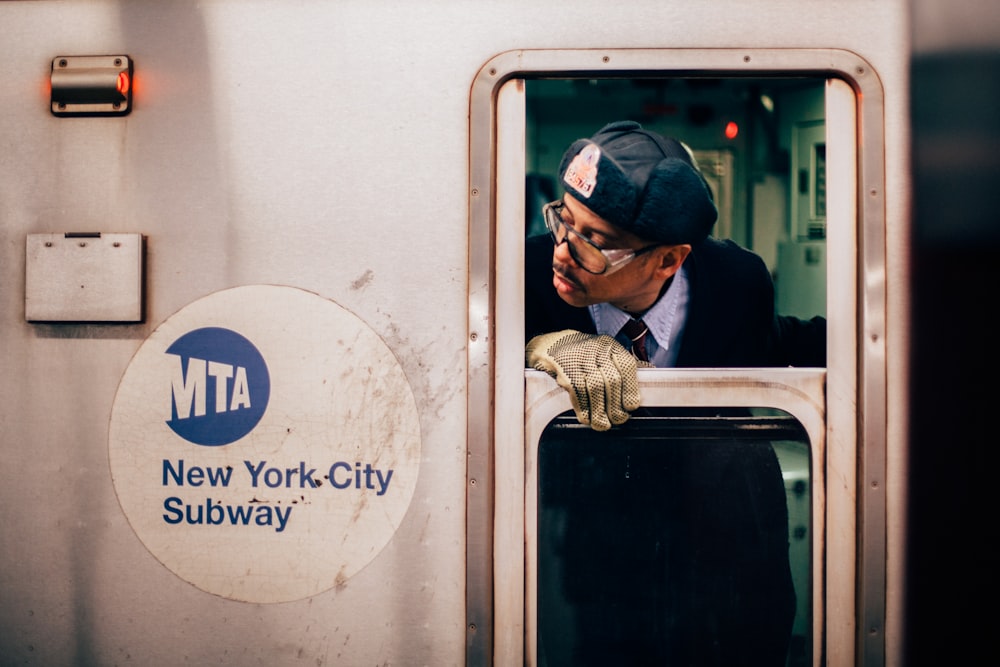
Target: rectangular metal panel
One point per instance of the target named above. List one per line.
(83, 278)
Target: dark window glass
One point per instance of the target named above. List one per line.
(679, 538)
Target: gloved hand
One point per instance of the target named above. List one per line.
(597, 371)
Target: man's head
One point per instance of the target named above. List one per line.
(627, 189)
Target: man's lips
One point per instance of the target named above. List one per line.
(562, 281)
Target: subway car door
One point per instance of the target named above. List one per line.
(631, 545)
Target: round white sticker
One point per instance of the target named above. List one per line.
(264, 444)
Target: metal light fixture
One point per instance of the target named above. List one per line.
(91, 85)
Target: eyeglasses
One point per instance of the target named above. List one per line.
(588, 255)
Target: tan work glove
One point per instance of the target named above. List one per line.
(597, 371)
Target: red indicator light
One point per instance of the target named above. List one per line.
(123, 83)
(732, 129)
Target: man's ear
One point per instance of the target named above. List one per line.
(671, 260)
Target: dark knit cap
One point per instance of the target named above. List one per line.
(641, 182)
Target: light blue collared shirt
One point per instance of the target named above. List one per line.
(665, 321)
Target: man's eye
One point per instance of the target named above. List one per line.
(598, 241)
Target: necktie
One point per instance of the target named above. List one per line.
(636, 330)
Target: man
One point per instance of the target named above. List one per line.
(630, 277)
(632, 241)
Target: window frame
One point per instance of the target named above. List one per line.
(853, 539)
(796, 391)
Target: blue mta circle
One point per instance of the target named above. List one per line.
(219, 386)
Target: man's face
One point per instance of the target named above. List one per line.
(634, 287)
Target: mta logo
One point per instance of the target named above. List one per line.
(219, 386)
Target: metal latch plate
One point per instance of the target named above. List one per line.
(90, 277)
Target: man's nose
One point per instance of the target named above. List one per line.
(561, 252)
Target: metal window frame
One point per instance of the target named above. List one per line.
(797, 391)
(855, 383)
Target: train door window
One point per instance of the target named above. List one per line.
(578, 540)
(684, 536)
